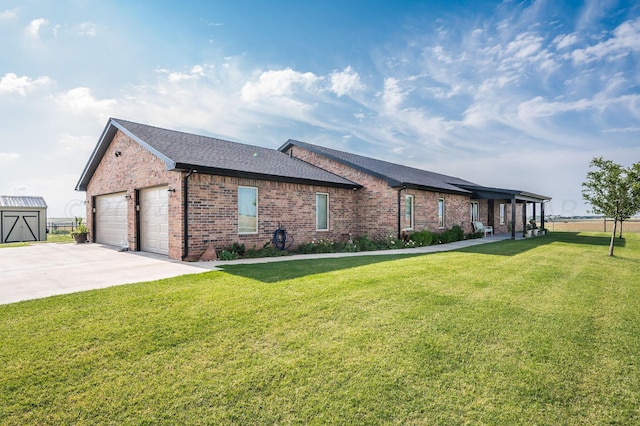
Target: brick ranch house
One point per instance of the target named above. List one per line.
(176, 193)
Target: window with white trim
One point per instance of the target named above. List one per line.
(475, 212)
(247, 210)
(503, 214)
(322, 211)
(441, 213)
(408, 211)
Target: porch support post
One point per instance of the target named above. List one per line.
(542, 215)
(524, 217)
(513, 217)
(534, 210)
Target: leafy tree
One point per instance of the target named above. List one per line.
(613, 191)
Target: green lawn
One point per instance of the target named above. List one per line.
(51, 238)
(542, 331)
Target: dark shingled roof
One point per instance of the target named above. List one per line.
(396, 175)
(186, 151)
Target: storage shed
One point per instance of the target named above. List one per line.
(22, 218)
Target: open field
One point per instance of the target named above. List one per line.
(540, 331)
(592, 225)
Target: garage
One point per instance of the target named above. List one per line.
(22, 219)
(154, 220)
(111, 219)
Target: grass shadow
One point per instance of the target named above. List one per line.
(292, 269)
(273, 272)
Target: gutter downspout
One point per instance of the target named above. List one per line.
(185, 209)
(400, 211)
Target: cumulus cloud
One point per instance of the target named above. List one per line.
(279, 83)
(345, 82)
(11, 83)
(33, 29)
(80, 100)
(196, 72)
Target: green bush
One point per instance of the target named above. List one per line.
(458, 233)
(237, 248)
(422, 238)
(267, 250)
(227, 255)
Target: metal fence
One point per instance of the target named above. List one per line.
(61, 227)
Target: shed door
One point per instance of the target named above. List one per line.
(111, 219)
(20, 226)
(154, 220)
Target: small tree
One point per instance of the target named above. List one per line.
(613, 191)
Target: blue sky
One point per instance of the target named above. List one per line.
(514, 94)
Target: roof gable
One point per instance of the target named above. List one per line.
(396, 175)
(186, 151)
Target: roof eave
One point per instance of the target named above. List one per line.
(261, 176)
(459, 191)
(392, 182)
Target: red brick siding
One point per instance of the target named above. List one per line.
(377, 202)
(136, 168)
(213, 212)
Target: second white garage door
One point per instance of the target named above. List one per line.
(111, 219)
(154, 220)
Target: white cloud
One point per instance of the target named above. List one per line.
(33, 29)
(8, 14)
(6, 157)
(196, 72)
(524, 46)
(345, 82)
(625, 39)
(565, 40)
(87, 29)
(80, 101)
(279, 83)
(622, 130)
(393, 95)
(11, 83)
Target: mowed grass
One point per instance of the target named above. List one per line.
(541, 331)
(51, 238)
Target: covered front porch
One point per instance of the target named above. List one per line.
(506, 209)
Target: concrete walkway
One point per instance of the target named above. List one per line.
(417, 250)
(43, 270)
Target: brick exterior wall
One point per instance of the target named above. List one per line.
(136, 168)
(377, 203)
(213, 212)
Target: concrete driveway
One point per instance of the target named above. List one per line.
(42, 270)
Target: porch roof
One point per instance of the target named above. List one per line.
(487, 193)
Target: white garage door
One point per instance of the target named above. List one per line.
(154, 220)
(111, 219)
